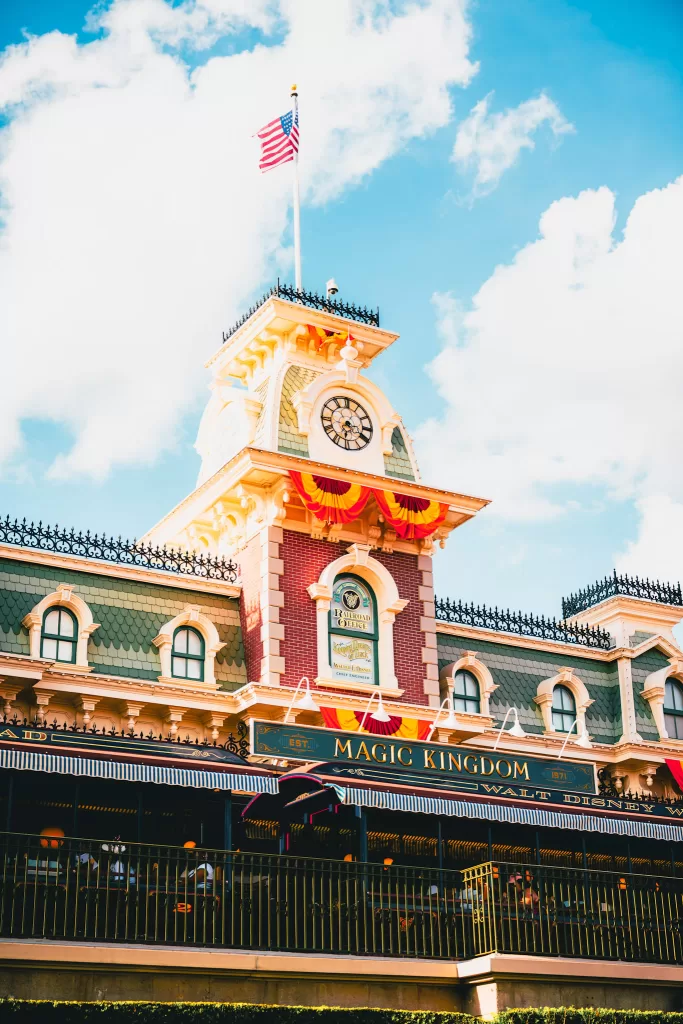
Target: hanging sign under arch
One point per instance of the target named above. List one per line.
(412, 518)
(332, 501)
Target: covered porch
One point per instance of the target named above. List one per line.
(348, 880)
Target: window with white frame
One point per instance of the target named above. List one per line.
(466, 693)
(59, 635)
(673, 709)
(187, 655)
(563, 709)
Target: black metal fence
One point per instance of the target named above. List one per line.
(112, 549)
(628, 586)
(361, 314)
(83, 890)
(113, 892)
(522, 624)
(574, 912)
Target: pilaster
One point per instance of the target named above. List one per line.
(430, 658)
(628, 708)
(271, 600)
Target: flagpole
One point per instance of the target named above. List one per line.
(297, 218)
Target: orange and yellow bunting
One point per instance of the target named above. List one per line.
(332, 501)
(402, 728)
(320, 336)
(412, 518)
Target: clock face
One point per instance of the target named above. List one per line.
(346, 422)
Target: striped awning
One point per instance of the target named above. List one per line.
(131, 771)
(536, 816)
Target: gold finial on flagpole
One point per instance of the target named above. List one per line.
(294, 89)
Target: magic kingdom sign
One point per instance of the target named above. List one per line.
(413, 763)
(364, 758)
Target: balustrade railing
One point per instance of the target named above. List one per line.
(622, 585)
(113, 892)
(574, 912)
(43, 537)
(349, 310)
(520, 624)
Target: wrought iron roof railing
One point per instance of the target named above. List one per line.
(314, 301)
(237, 745)
(629, 586)
(109, 549)
(505, 621)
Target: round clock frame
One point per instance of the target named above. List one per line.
(346, 423)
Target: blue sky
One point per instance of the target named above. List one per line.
(395, 234)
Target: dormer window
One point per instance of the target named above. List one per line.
(564, 710)
(187, 655)
(59, 635)
(466, 693)
(673, 709)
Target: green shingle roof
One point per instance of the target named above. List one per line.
(130, 614)
(398, 463)
(518, 672)
(290, 440)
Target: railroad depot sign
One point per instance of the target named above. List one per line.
(383, 758)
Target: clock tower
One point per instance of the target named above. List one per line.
(309, 481)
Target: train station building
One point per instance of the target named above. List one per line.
(253, 757)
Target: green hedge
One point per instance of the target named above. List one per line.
(42, 1011)
(571, 1015)
(26, 1011)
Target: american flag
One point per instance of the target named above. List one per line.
(279, 141)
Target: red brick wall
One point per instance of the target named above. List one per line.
(304, 559)
(250, 608)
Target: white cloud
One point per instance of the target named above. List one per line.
(657, 553)
(136, 223)
(490, 143)
(566, 370)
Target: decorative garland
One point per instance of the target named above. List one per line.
(338, 501)
(349, 721)
(412, 518)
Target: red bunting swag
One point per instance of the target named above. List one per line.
(676, 769)
(412, 518)
(332, 501)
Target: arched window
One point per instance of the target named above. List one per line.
(564, 710)
(59, 635)
(187, 654)
(466, 693)
(673, 709)
(353, 631)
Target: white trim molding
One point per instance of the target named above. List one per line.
(189, 616)
(389, 605)
(654, 691)
(544, 699)
(62, 597)
(469, 662)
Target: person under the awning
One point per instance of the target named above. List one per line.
(198, 875)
